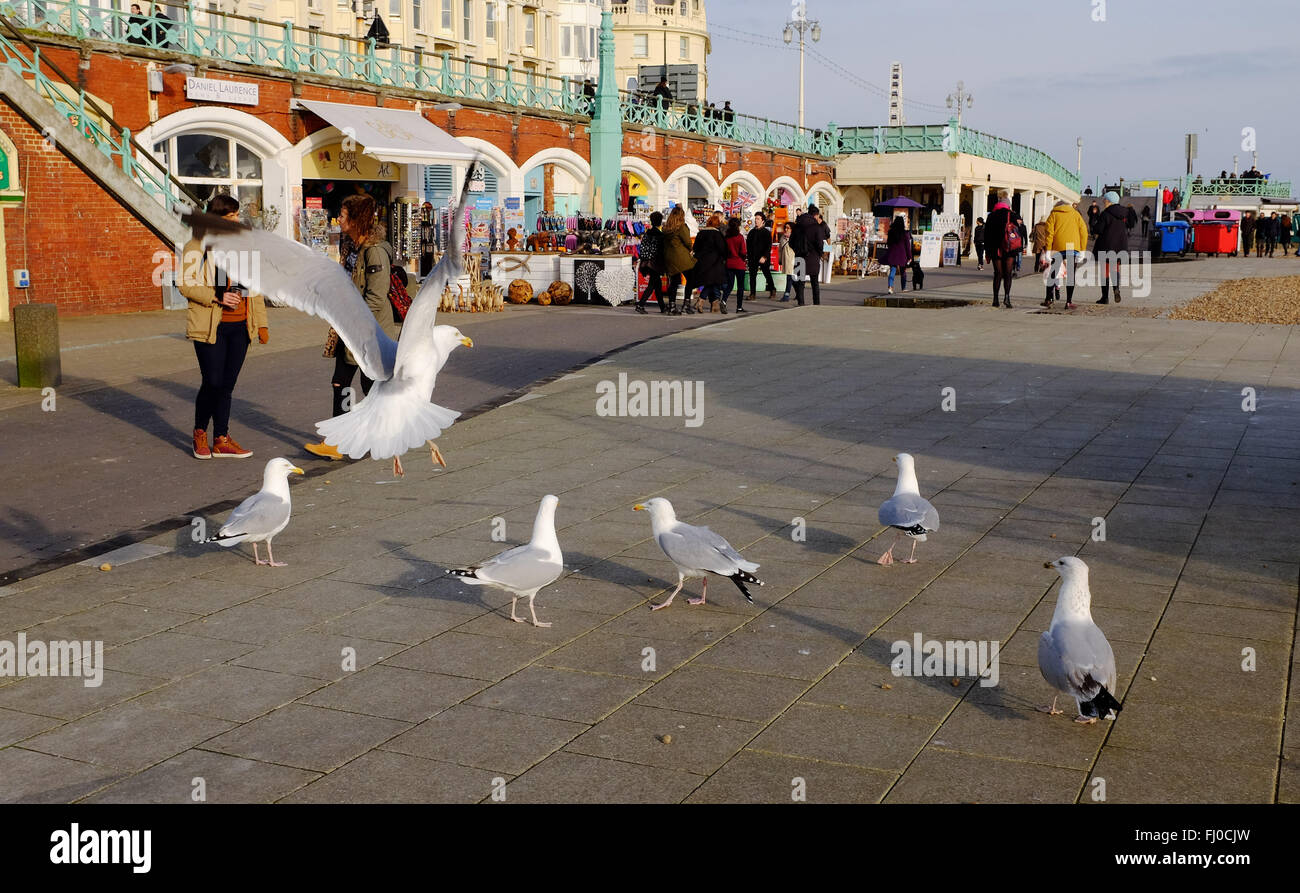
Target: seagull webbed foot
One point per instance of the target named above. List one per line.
(397, 466)
(437, 454)
(1085, 720)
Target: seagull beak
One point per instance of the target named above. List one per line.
(297, 470)
(1047, 564)
(467, 341)
(638, 508)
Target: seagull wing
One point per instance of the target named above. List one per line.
(1076, 658)
(908, 510)
(291, 273)
(260, 515)
(700, 549)
(520, 569)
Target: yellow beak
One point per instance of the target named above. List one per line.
(297, 470)
(467, 341)
(638, 508)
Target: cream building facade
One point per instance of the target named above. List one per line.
(651, 32)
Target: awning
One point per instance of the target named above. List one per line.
(396, 135)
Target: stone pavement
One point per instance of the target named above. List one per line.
(220, 670)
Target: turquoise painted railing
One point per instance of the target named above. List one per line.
(930, 138)
(113, 140)
(1262, 188)
(643, 113)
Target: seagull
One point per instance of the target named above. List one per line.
(907, 511)
(260, 517)
(398, 414)
(696, 551)
(1073, 654)
(523, 570)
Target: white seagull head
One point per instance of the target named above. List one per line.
(448, 338)
(906, 474)
(278, 470)
(660, 509)
(1074, 598)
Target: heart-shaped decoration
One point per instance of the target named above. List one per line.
(616, 285)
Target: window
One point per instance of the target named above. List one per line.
(313, 40)
(682, 8)
(313, 4)
(530, 29)
(641, 7)
(566, 41)
(467, 13)
(446, 15)
(417, 20)
(395, 8)
(210, 165)
(684, 46)
(591, 44)
(640, 45)
(490, 20)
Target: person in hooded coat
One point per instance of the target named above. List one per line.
(1110, 244)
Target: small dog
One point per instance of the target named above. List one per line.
(918, 276)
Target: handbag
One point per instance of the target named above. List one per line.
(1013, 241)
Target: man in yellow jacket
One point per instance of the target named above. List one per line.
(224, 316)
(1066, 240)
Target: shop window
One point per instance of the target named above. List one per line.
(209, 164)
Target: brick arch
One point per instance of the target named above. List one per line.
(645, 170)
(745, 178)
(503, 164)
(790, 183)
(698, 173)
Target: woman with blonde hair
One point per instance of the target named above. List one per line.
(677, 256)
(366, 254)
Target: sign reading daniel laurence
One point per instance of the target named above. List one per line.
(209, 90)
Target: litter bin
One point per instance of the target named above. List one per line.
(1171, 237)
(951, 251)
(1215, 236)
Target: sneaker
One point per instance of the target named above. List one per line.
(201, 450)
(674, 312)
(1069, 305)
(323, 449)
(741, 310)
(1103, 300)
(724, 308)
(891, 289)
(225, 448)
(1047, 304)
(640, 309)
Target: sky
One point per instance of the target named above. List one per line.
(1042, 72)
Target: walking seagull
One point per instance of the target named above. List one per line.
(1073, 654)
(398, 414)
(907, 511)
(696, 551)
(260, 517)
(525, 569)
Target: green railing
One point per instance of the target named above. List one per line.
(95, 124)
(645, 113)
(931, 138)
(1262, 188)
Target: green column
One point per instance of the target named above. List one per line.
(607, 126)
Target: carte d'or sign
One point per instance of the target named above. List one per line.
(333, 162)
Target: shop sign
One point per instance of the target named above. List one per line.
(211, 90)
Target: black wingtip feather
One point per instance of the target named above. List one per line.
(740, 578)
(201, 224)
(1103, 704)
(463, 571)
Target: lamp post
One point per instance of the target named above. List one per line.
(799, 22)
(665, 49)
(1078, 164)
(961, 99)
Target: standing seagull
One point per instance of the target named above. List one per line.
(696, 551)
(263, 515)
(398, 414)
(1073, 654)
(525, 569)
(907, 511)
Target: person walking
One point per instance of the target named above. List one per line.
(368, 258)
(662, 94)
(1111, 243)
(1067, 240)
(978, 239)
(1284, 234)
(678, 260)
(710, 273)
(222, 320)
(1038, 238)
(1024, 242)
(809, 235)
(1146, 220)
(898, 252)
(652, 264)
(998, 247)
(758, 247)
(1130, 219)
(1248, 226)
(787, 259)
(737, 265)
(1093, 211)
(1273, 226)
(137, 27)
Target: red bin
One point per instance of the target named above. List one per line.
(1215, 236)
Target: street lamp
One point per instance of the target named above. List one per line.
(799, 22)
(961, 99)
(665, 49)
(1078, 164)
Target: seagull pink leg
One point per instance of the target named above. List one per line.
(680, 581)
(703, 598)
(272, 562)
(397, 466)
(256, 556)
(536, 622)
(437, 454)
(1050, 711)
(888, 557)
(912, 558)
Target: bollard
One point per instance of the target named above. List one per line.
(36, 341)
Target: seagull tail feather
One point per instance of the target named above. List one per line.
(740, 578)
(469, 574)
(1103, 704)
(387, 423)
(226, 540)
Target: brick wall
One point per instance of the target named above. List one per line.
(85, 251)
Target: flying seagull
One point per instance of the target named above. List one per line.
(260, 517)
(398, 414)
(1073, 654)
(696, 551)
(907, 511)
(523, 570)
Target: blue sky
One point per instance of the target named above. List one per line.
(1042, 73)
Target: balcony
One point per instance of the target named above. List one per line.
(1237, 186)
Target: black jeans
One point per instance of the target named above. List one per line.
(764, 264)
(979, 254)
(654, 285)
(343, 374)
(736, 279)
(219, 363)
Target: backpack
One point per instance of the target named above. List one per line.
(397, 294)
(1013, 241)
(650, 249)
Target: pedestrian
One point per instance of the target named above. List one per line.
(137, 26)
(978, 239)
(427, 239)
(1110, 244)
(1093, 211)
(367, 256)
(999, 245)
(678, 260)
(1067, 240)
(1024, 242)
(663, 97)
(710, 272)
(809, 235)
(1272, 232)
(651, 255)
(737, 265)
(1130, 219)
(162, 29)
(787, 259)
(898, 252)
(758, 247)
(1247, 233)
(1284, 235)
(1038, 238)
(224, 317)
(1146, 220)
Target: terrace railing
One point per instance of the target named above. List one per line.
(1262, 188)
(647, 114)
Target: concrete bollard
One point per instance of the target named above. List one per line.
(36, 341)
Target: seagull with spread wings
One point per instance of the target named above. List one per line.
(398, 414)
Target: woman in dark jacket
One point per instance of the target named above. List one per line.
(710, 272)
(999, 254)
(677, 257)
(898, 252)
(1110, 242)
(977, 239)
(737, 264)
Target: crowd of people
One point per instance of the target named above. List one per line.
(1265, 232)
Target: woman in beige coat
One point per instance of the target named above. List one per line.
(223, 318)
(368, 257)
